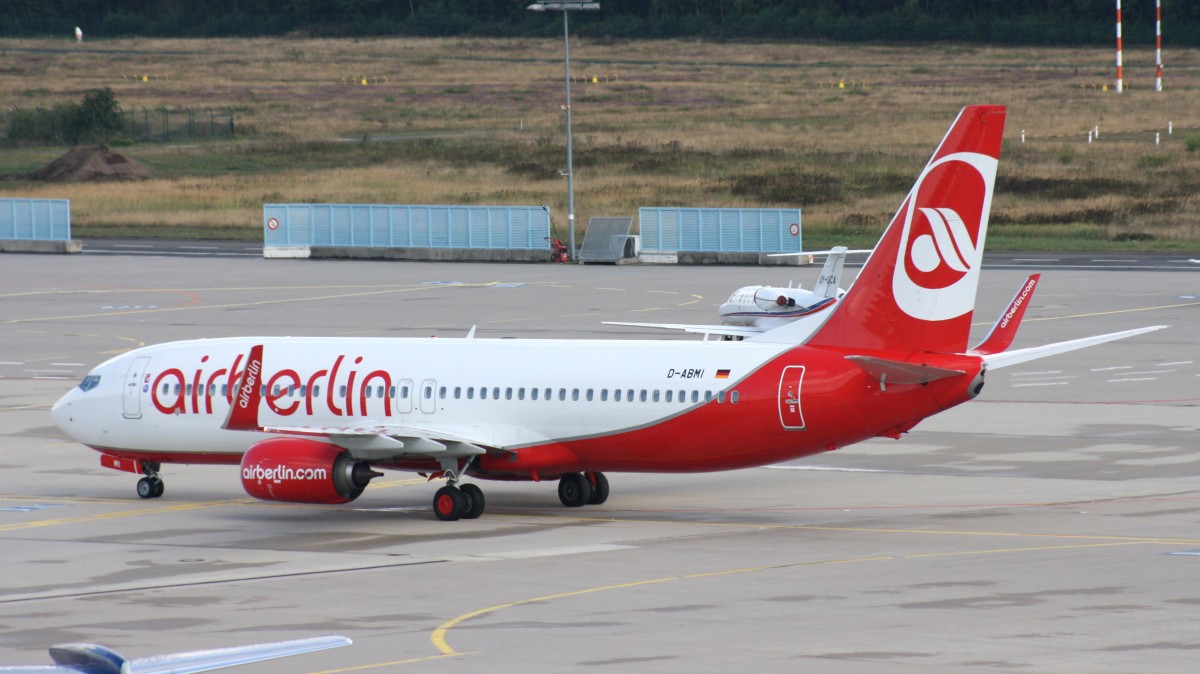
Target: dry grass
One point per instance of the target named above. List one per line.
(680, 122)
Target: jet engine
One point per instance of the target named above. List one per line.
(303, 471)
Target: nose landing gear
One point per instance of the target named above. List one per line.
(150, 486)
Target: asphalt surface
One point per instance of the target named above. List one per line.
(1052, 525)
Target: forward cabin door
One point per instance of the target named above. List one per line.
(134, 387)
(790, 413)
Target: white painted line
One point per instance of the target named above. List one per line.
(1150, 372)
(1044, 383)
(830, 469)
(1116, 260)
(10, 362)
(164, 253)
(48, 377)
(1109, 369)
(1034, 374)
(200, 248)
(1035, 259)
(1177, 362)
(1114, 381)
(69, 364)
(1049, 378)
(556, 552)
(131, 245)
(62, 371)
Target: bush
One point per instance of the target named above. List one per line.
(95, 119)
(1192, 143)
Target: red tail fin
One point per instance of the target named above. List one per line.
(243, 412)
(917, 290)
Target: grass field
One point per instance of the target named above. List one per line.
(666, 124)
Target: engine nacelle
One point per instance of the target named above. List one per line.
(303, 471)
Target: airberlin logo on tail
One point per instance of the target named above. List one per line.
(941, 245)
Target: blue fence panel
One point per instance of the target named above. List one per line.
(35, 219)
(726, 230)
(509, 227)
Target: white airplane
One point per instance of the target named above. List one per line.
(753, 310)
(95, 659)
(313, 420)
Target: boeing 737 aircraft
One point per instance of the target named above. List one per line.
(313, 420)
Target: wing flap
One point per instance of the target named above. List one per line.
(382, 442)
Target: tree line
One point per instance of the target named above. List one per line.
(1031, 22)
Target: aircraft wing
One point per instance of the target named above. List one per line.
(731, 330)
(381, 442)
(1006, 358)
(95, 659)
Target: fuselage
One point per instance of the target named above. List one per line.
(768, 307)
(545, 406)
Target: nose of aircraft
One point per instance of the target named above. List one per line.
(63, 412)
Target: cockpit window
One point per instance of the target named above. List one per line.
(89, 382)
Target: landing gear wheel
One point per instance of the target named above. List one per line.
(150, 487)
(448, 504)
(574, 490)
(473, 501)
(599, 489)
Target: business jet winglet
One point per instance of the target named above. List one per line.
(314, 420)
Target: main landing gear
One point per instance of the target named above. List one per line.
(454, 502)
(465, 501)
(580, 489)
(150, 486)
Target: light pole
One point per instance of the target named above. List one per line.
(567, 8)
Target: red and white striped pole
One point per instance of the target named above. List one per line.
(1158, 45)
(1120, 70)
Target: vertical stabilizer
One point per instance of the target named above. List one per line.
(917, 290)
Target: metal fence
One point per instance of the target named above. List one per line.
(494, 227)
(726, 230)
(165, 124)
(35, 219)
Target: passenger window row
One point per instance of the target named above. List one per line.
(495, 393)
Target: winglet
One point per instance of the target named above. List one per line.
(1001, 336)
(243, 412)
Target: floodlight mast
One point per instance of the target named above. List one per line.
(566, 8)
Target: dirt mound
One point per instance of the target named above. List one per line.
(84, 163)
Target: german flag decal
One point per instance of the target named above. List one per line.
(722, 374)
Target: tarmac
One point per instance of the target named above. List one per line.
(1051, 525)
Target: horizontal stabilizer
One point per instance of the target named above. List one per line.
(899, 372)
(997, 360)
